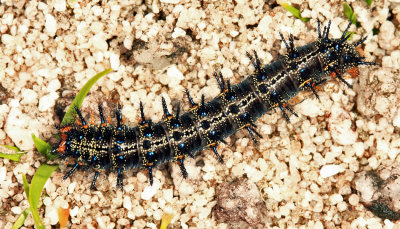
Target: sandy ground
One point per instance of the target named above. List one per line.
(299, 175)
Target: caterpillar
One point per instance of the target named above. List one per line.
(206, 125)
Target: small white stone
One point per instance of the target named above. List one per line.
(340, 124)
(178, 32)
(7, 19)
(97, 10)
(101, 222)
(60, 5)
(52, 215)
(342, 206)
(354, 199)
(22, 30)
(3, 174)
(3, 29)
(310, 107)
(29, 97)
(139, 211)
(207, 54)
(114, 61)
(201, 25)
(150, 190)
(50, 25)
(7, 39)
(16, 127)
(318, 225)
(382, 104)
(388, 223)
(16, 210)
(168, 195)
(253, 174)
(173, 77)
(329, 170)
(396, 119)
(74, 211)
(393, 152)
(127, 203)
(263, 26)
(382, 145)
(234, 33)
(46, 102)
(71, 187)
(47, 201)
(54, 85)
(335, 199)
(373, 162)
(99, 42)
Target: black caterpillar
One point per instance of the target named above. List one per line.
(205, 125)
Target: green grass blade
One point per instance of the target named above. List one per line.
(369, 2)
(38, 182)
(293, 10)
(68, 117)
(348, 11)
(21, 219)
(35, 213)
(43, 147)
(34, 191)
(12, 157)
(16, 149)
(26, 185)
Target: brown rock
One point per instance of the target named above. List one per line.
(240, 205)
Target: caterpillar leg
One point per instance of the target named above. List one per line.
(120, 179)
(96, 174)
(70, 172)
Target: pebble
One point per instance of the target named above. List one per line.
(3, 174)
(99, 42)
(114, 61)
(54, 85)
(16, 210)
(386, 35)
(139, 211)
(340, 124)
(354, 199)
(74, 211)
(173, 77)
(310, 107)
(101, 222)
(335, 199)
(52, 214)
(60, 5)
(71, 187)
(16, 127)
(234, 33)
(178, 32)
(329, 170)
(127, 203)
(150, 190)
(48, 101)
(389, 224)
(7, 39)
(207, 54)
(168, 195)
(29, 97)
(50, 25)
(396, 119)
